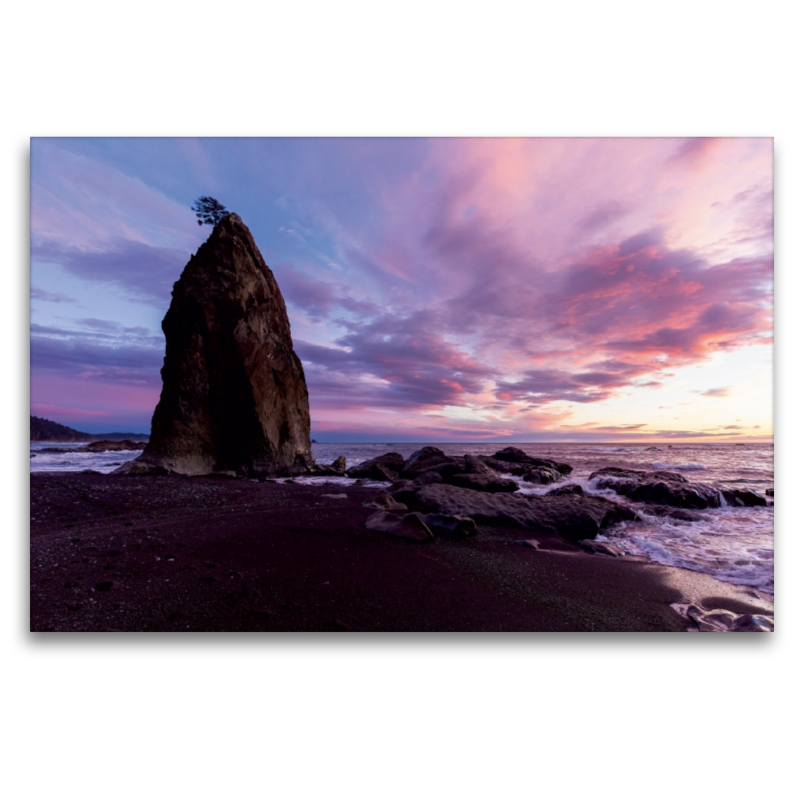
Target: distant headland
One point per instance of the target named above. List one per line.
(45, 430)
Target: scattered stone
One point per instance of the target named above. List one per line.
(103, 586)
(532, 543)
(770, 492)
(570, 488)
(408, 526)
(722, 620)
(601, 548)
(451, 527)
(385, 502)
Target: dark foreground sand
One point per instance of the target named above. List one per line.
(122, 553)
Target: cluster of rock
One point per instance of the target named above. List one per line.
(102, 446)
(671, 489)
(483, 473)
(434, 494)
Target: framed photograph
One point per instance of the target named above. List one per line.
(402, 384)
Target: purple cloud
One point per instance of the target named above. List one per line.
(51, 297)
(144, 272)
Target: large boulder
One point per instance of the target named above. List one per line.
(335, 470)
(478, 476)
(660, 487)
(514, 455)
(571, 516)
(234, 395)
(542, 476)
(382, 468)
(432, 459)
(743, 497)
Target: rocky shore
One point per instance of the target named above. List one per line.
(215, 553)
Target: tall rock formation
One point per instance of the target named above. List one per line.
(234, 394)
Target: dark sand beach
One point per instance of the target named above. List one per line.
(170, 553)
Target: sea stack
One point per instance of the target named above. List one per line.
(234, 395)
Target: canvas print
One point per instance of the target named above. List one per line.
(382, 384)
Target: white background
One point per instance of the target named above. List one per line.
(443, 716)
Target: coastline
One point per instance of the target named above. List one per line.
(171, 553)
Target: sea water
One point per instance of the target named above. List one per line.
(734, 545)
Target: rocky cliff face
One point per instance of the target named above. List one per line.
(234, 394)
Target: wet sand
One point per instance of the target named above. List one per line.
(168, 553)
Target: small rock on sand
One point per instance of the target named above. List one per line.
(408, 526)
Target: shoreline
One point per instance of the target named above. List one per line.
(171, 553)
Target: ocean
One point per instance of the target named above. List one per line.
(734, 545)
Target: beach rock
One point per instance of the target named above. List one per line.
(517, 456)
(770, 492)
(405, 491)
(481, 483)
(407, 526)
(533, 544)
(431, 459)
(427, 477)
(719, 620)
(105, 446)
(383, 468)
(542, 476)
(681, 514)
(450, 527)
(478, 476)
(137, 467)
(505, 467)
(571, 516)
(234, 394)
(385, 502)
(743, 497)
(337, 469)
(660, 487)
(601, 548)
(570, 488)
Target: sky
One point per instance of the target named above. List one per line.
(498, 289)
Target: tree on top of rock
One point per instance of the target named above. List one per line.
(209, 210)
